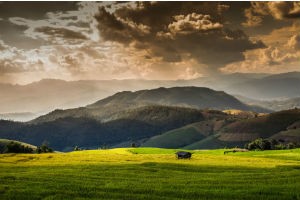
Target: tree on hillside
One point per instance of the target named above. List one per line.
(76, 148)
(44, 148)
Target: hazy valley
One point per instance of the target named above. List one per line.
(272, 92)
(178, 117)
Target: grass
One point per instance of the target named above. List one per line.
(175, 138)
(151, 173)
(208, 142)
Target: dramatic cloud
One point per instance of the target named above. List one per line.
(282, 54)
(147, 40)
(278, 10)
(117, 29)
(194, 30)
(270, 60)
(192, 23)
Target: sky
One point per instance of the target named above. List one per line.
(146, 40)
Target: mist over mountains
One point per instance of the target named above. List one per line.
(171, 114)
(178, 117)
(112, 107)
(50, 94)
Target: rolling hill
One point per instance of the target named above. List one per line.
(242, 131)
(132, 125)
(266, 125)
(125, 116)
(158, 126)
(186, 135)
(231, 131)
(111, 107)
(164, 117)
(197, 97)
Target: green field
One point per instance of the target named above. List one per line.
(149, 173)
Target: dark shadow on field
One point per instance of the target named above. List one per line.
(201, 168)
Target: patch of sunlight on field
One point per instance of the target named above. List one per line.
(142, 155)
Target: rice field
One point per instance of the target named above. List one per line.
(151, 173)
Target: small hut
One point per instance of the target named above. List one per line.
(183, 155)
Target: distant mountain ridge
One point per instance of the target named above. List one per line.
(23, 116)
(199, 97)
(192, 97)
(49, 94)
(275, 105)
(272, 87)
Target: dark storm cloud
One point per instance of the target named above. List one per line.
(173, 30)
(119, 29)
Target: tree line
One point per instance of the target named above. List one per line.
(270, 144)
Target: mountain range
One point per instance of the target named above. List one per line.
(50, 94)
(178, 117)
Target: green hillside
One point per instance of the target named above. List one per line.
(126, 117)
(181, 137)
(231, 131)
(263, 126)
(155, 126)
(137, 117)
(132, 125)
(177, 138)
(210, 142)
